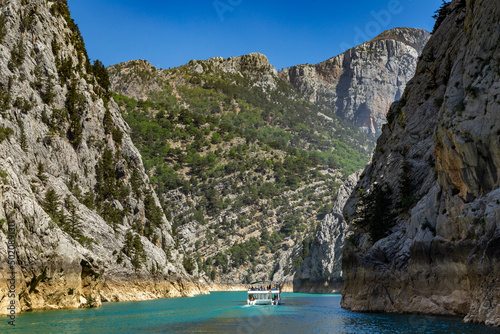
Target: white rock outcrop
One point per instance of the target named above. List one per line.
(56, 128)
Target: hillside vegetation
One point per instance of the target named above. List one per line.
(254, 100)
(235, 201)
(243, 165)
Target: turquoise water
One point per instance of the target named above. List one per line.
(227, 312)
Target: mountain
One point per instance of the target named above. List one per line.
(245, 92)
(424, 217)
(77, 207)
(243, 163)
(232, 153)
(235, 201)
(360, 84)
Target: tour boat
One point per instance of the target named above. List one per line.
(264, 293)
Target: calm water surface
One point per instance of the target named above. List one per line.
(227, 312)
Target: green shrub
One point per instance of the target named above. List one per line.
(5, 133)
(188, 265)
(3, 30)
(17, 55)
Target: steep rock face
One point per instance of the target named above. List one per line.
(321, 271)
(361, 83)
(442, 254)
(68, 167)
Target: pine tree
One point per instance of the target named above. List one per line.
(74, 104)
(89, 199)
(107, 122)
(134, 249)
(51, 203)
(101, 75)
(22, 137)
(73, 224)
(136, 182)
(41, 172)
(377, 214)
(406, 189)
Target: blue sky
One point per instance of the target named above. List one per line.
(170, 33)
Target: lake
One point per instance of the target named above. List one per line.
(227, 312)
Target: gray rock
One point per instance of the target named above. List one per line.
(442, 256)
(321, 270)
(53, 269)
(360, 84)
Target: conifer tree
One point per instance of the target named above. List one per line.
(406, 189)
(51, 203)
(377, 214)
(73, 224)
(41, 172)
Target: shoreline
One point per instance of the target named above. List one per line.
(107, 291)
(219, 287)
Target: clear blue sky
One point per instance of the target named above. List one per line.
(170, 33)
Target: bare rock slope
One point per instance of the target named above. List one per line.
(321, 271)
(361, 83)
(75, 201)
(436, 169)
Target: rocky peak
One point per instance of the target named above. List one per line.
(254, 67)
(360, 84)
(138, 79)
(414, 37)
(246, 64)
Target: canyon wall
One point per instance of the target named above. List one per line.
(433, 244)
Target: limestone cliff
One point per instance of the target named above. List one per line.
(86, 222)
(360, 84)
(320, 270)
(435, 179)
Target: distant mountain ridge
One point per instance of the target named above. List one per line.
(358, 85)
(247, 93)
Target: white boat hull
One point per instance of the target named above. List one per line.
(263, 302)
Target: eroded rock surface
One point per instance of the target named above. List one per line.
(361, 83)
(442, 256)
(61, 133)
(321, 269)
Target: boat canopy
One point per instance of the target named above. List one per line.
(262, 282)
